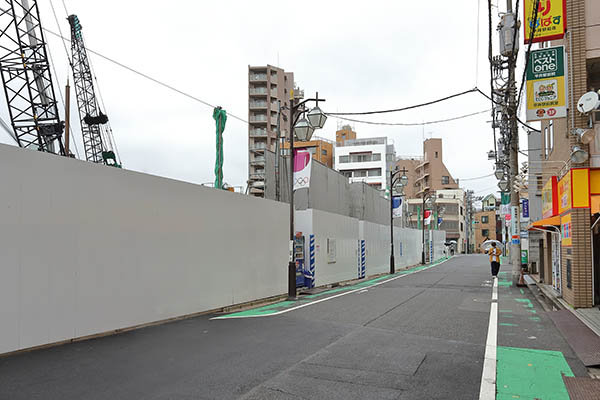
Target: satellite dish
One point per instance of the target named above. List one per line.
(588, 102)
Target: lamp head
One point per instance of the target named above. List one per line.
(317, 117)
(578, 155)
(304, 130)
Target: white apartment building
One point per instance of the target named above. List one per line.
(365, 160)
(449, 205)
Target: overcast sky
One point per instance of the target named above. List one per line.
(359, 55)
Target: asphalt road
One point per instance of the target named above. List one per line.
(421, 336)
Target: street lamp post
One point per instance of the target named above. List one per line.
(304, 129)
(401, 182)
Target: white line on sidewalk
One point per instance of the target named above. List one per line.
(328, 298)
(488, 376)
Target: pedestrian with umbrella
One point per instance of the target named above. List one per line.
(492, 249)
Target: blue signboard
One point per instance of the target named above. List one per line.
(525, 207)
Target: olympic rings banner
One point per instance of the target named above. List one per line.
(302, 168)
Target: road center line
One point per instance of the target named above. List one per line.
(328, 298)
(488, 376)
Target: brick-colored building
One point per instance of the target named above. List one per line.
(569, 208)
(320, 148)
(346, 132)
(485, 227)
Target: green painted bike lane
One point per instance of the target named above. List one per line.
(305, 300)
(533, 372)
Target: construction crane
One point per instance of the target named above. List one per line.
(27, 80)
(95, 129)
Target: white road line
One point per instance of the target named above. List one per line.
(328, 298)
(488, 376)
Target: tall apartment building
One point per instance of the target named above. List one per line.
(409, 165)
(365, 160)
(571, 191)
(266, 85)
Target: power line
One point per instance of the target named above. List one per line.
(130, 69)
(409, 124)
(477, 177)
(409, 107)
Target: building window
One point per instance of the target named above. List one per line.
(376, 157)
(485, 219)
(374, 172)
(436, 154)
(462, 228)
(347, 174)
(485, 233)
(344, 159)
(445, 179)
(389, 157)
(324, 152)
(360, 173)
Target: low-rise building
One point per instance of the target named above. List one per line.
(365, 160)
(485, 227)
(321, 149)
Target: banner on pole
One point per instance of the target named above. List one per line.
(427, 216)
(302, 167)
(547, 92)
(397, 207)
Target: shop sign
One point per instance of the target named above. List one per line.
(550, 198)
(550, 23)
(524, 256)
(514, 220)
(580, 187)
(564, 193)
(546, 84)
(565, 229)
(525, 209)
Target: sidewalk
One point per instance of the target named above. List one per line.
(589, 316)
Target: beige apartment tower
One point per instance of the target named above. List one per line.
(267, 86)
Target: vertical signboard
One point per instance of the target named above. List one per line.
(525, 209)
(550, 23)
(564, 193)
(546, 84)
(565, 229)
(550, 198)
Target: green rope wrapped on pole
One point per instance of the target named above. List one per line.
(220, 117)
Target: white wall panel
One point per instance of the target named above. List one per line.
(86, 248)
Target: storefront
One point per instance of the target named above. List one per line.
(571, 208)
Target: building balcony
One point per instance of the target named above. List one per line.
(258, 91)
(257, 105)
(257, 77)
(423, 191)
(257, 132)
(421, 165)
(257, 176)
(422, 177)
(258, 118)
(257, 149)
(257, 161)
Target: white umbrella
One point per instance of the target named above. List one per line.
(488, 243)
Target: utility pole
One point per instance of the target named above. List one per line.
(513, 159)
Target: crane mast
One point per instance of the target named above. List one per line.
(26, 78)
(94, 123)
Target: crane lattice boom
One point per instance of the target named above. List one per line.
(26, 78)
